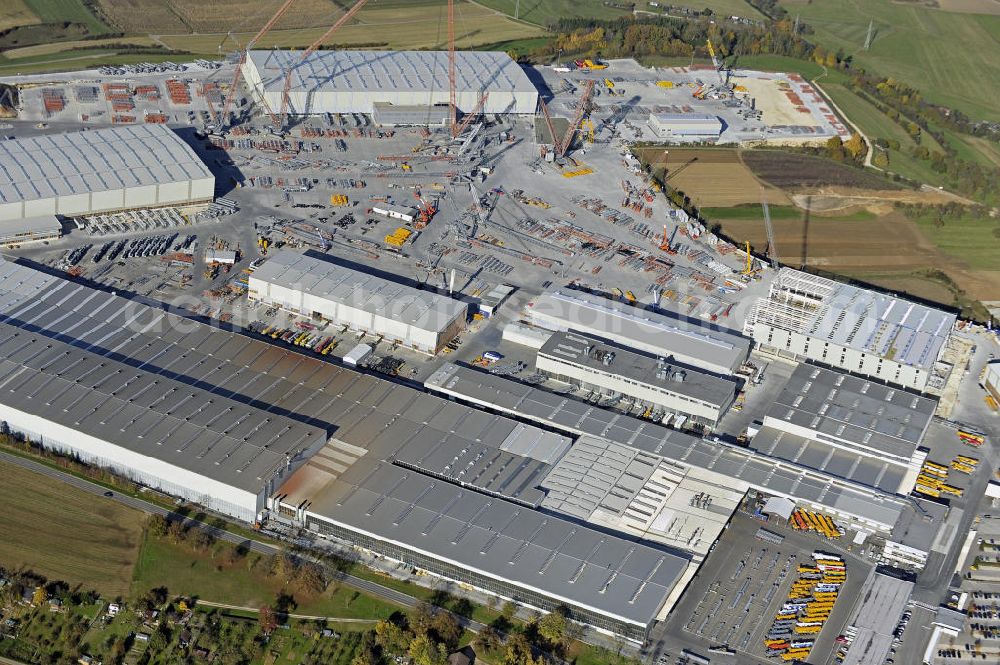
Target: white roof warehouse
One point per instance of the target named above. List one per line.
(302, 284)
(354, 81)
(82, 173)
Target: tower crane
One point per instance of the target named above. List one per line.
(309, 50)
(548, 123)
(772, 249)
(244, 53)
(453, 94)
(454, 126)
(719, 67)
(581, 109)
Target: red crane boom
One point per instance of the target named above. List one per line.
(468, 119)
(238, 76)
(552, 130)
(451, 69)
(344, 18)
(581, 109)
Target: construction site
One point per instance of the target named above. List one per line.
(469, 247)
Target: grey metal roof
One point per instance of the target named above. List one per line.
(371, 422)
(95, 161)
(371, 294)
(403, 71)
(649, 331)
(596, 473)
(563, 560)
(766, 473)
(43, 225)
(876, 472)
(918, 526)
(881, 603)
(685, 118)
(590, 352)
(874, 418)
(152, 415)
(477, 465)
(867, 321)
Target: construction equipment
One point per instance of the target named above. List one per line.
(665, 84)
(590, 65)
(667, 244)
(426, 214)
(772, 249)
(244, 53)
(548, 124)
(468, 118)
(451, 69)
(344, 18)
(588, 126)
(582, 108)
(749, 269)
(711, 53)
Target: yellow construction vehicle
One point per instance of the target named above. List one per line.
(338, 200)
(665, 84)
(609, 84)
(587, 126)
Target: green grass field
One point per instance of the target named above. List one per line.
(67, 534)
(59, 11)
(973, 241)
(541, 12)
(943, 54)
(876, 124)
(175, 566)
(14, 13)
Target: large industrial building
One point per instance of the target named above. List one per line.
(805, 317)
(86, 372)
(613, 371)
(670, 336)
(16, 232)
(848, 426)
(730, 466)
(325, 291)
(245, 427)
(103, 170)
(346, 81)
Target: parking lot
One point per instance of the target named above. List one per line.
(736, 595)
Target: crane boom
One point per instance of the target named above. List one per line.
(238, 76)
(581, 109)
(468, 119)
(552, 130)
(772, 249)
(309, 50)
(451, 70)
